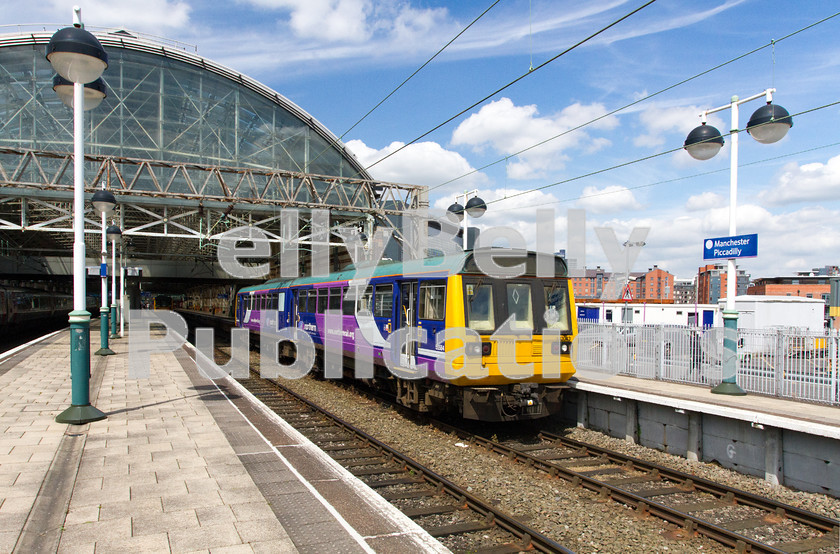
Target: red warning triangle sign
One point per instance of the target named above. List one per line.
(627, 294)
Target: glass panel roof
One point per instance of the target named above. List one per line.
(164, 109)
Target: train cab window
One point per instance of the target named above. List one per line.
(520, 304)
(480, 307)
(383, 300)
(432, 301)
(335, 299)
(312, 301)
(322, 300)
(302, 298)
(556, 307)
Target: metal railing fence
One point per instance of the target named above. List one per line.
(785, 362)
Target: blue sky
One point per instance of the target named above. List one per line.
(338, 58)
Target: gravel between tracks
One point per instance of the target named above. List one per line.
(572, 517)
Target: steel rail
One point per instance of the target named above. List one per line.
(530, 538)
(645, 505)
(805, 517)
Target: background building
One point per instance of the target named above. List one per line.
(685, 291)
(656, 284)
(711, 283)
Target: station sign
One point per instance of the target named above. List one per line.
(724, 248)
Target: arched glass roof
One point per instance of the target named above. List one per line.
(164, 104)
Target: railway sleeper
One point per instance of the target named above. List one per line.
(396, 481)
(813, 543)
(458, 528)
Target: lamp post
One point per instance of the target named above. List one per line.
(627, 314)
(104, 202)
(113, 232)
(475, 207)
(768, 124)
(77, 56)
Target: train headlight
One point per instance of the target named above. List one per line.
(555, 348)
(486, 348)
(565, 348)
(473, 349)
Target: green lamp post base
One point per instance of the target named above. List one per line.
(79, 415)
(727, 387)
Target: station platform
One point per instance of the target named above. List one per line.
(181, 464)
(785, 441)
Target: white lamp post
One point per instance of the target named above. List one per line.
(104, 202)
(768, 124)
(475, 207)
(77, 56)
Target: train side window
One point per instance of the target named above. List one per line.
(480, 307)
(322, 300)
(301, 306)
(335, 299)
(519, 304)
(383, 300)
(364, 302)
(348, 304)
(432, 301)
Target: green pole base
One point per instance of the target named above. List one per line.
(104, 352)
(79, 415)
(727, 387)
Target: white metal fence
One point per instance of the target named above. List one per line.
(788, 363)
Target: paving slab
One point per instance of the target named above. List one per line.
(181, 464)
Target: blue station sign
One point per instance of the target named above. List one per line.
(724, 248)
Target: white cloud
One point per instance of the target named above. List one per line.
(662, 123)
(150, 15)
(422, 163)
(704, 201)
(814, 181)
(325, 20)
(518, 212)
(507, 129)
(612, 198)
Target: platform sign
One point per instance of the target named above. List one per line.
(724, 248)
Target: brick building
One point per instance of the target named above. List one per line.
(656, 284)
(711, 283)
(816, 286)
(599, 284)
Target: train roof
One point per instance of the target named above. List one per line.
(440, 266)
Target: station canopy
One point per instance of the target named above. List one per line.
(189, 147)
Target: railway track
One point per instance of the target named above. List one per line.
(739, 519)
(459, 519)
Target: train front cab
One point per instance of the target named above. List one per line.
(521, 374)
(494, 390)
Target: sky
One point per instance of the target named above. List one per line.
(599, 128)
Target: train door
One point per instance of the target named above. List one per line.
(408, 320)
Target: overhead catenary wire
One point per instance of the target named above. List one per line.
(673, 180)
(511, 83)
(636, 161)
(419, 69)
(772, 44)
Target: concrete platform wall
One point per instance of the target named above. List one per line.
(792, 458)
